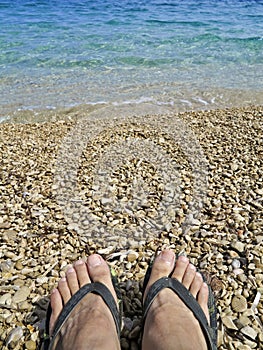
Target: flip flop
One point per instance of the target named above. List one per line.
(209, 331)
(94, 287)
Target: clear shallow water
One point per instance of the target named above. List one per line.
(175, 54)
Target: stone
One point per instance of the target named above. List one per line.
(128, 323)
(38, 234)
(30, 345)
(239, 303)
(134, 345)
(19, 265)
(106, 200)
(236, 264)
(6, 299)
(4, 225)
(242, 277)
(259, 191)
(228, 323)
(239, 246)
(124, 344)
(244, 320)
(132, 256)
(249, 331)
(24, 305)
(134, 334)
(14, 336)
(21, 294)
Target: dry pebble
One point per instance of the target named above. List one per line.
(239, 303)
(223, 237)
(21, 294)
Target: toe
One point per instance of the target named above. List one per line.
(162, 267)
(202, 299)
(72, 280)
(82, 272)
(57, 306)
(180, 267)
(196, 284)
(99, 272)
(189, 276)
(64, 290)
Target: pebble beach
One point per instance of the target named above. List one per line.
(224, 241)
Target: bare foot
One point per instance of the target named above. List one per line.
(169, 323)
(90, 325)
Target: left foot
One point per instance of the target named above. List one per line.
(90, 325)
(169, 323)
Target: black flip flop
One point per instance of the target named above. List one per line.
(94, 287)
(210, 332)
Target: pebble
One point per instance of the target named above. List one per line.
(4, 225)
(24, 305)
(128, 323)
(6, 299)
(259, 191)
(222, 235)
(6, 266)
(236, 264)
(19, 265)
(134, 345)
(249, 331)
(242, 277)
(239, 303)
(21, 294)
(132, 256)
(239, 246)
(228, 322)
(30, 345)
(124, 344)
(14, 336)
(244, 320)
(134, 334)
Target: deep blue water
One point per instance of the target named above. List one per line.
(172, 53)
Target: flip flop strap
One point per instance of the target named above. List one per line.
(96, 288)
(188, 299)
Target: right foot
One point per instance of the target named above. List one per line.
(90, 325)
(169, 322)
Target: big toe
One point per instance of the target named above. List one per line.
(99, 272)
(162, 267)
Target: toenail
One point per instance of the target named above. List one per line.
(70, 270)
(63, 279)
(79, 262)
(192, 267)
(183, 258)
(94, 260)
(167, 257)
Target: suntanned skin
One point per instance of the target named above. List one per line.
(168, 323)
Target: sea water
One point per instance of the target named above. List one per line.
(184, 54)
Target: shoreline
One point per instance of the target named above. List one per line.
(178, 101)
(224, 237)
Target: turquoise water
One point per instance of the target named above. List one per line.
(175, 54)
